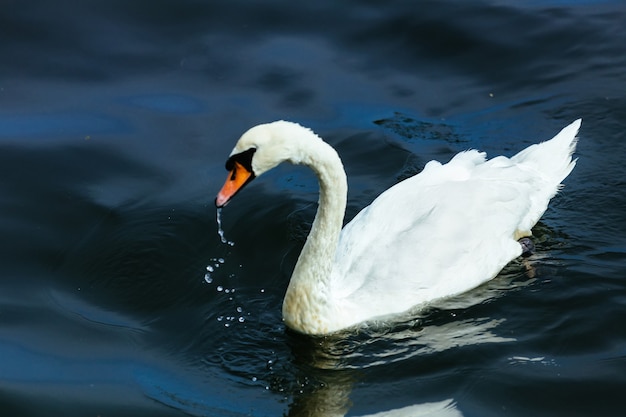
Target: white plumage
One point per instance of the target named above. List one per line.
(444, 231)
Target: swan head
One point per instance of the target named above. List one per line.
(260, 149)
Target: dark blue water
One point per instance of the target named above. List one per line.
(116, 118)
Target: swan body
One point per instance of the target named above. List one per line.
(439, 233)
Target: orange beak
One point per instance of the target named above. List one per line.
(238, 177)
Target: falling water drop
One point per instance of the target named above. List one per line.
(220, 231)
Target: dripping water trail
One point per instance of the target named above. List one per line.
(220, 231)
(215, 263)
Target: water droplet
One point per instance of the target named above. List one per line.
(220, 318)
(241, 319)
(226, 324)
(227, 291)
(239, 309)
(220, 260)
(262, 289)
(220, 288)
(220, 231)
(207, 278)
(210, 268)
(254, 379)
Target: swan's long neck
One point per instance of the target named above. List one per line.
(308, 301)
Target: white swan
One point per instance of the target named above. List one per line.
(444, 231)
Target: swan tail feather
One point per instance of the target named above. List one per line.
(552, 162)
(553, 158)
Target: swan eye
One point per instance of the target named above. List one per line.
(243, 158)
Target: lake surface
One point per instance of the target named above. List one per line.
(117, 296)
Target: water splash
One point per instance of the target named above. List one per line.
(220, 231)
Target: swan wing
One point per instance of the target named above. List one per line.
(439, 233)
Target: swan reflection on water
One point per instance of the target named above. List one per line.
(341, 361)
(338, 362)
